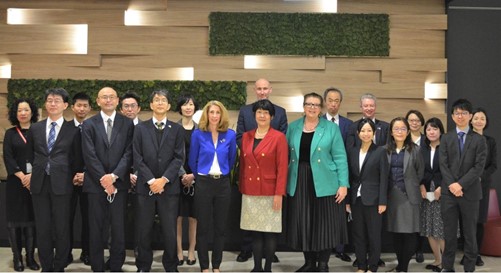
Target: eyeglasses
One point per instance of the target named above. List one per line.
(401, 130)
(414, 121)
(107, 97)
(54, 101)
(464, 114)
(312, 105)
(160, 100)
(129, 106)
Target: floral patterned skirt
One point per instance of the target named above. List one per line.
(258, 214)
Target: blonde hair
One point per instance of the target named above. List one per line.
(224, 122)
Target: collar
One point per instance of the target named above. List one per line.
(135, 120)
(106, 117)
(76, 122)
(59, 122)
(329, 117)
(164, 120)
(466, 131)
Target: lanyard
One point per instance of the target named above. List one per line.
(21, 135)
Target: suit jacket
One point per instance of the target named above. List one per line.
(327, 158)
(465, 168)
(65, 157)
(263, 171)
(154, 160)
(344, 126)
(247, 121)
(102, 157)
(373, 176)
(382, 130)
(202, 151)
(431, 173)
(413, 173)
(491, 164)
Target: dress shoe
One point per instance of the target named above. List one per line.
(434, 268)
(419, 257)
(107, 264)
(381, 263)
(343, 256)
(447, 270)
(308, 267)
(479, 261)
(142, 270)
(355, 263)
(18, 264)
(244, 256)
(191, 262)
(84, 258)
(180, 262)
(275, 259)
(323, 267)
(32, 264)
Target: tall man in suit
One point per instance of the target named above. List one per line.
(368, 107)
(158, 156)
(107, 141)
(333, 98)
(131, 106)
(81, 108)
(57, 149)
(247, 122)
(462, 158)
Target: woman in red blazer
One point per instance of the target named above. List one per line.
(263, 177)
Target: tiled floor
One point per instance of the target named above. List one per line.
(289, 262)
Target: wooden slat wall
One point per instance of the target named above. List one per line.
(174, 34)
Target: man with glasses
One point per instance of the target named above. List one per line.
(107, 141)
(57, 152)
(462, 158)
(158, 156)
(131, 106)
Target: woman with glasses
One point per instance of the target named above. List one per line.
(263, 176)
(480, 122)
(416, 121)
(317, 185)
(404, 198)
(213, 150)
(18, 158)
(187, 106)
(432, 225)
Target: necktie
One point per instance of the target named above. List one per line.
(461, 141)
(333, 119)
(109, 129)
(52, 136)
(160, 125)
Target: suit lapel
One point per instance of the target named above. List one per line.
(60, 135)
(152, 131)
(101, 128)
(317, 136)
(167, 130)
(367, 156)
(407, 157)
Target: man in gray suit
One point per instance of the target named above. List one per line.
(462, 159)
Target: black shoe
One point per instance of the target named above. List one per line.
(191, 262)
(462, 261)
(447, 270)
(107, 264)
(275, 259)
(355, 263)
(419, 257)
(434, 268)
(18, 264)
(323, 267)
(343, 256)
(180, 262)
(479, 261)
(84, 258)
(381, 263)
(308, 267)
(244, 256)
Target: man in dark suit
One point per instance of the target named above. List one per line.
(81, 108)
(246, 122)
(462, 158)
(57, 149)
(107, 141)
(368, 107)
(158, 156)
(333, 98)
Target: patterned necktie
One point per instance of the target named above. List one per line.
(52, 136)
(160, 125)
(461, 141)
(109, 129)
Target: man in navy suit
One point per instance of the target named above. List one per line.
(107, 141)
(57, 158)
(368, 107)
(247, 122)
(462, 158)
(158, 155)
(333, 98)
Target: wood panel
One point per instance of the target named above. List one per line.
(58, 60)
(72, 16)
(412, 64)
(172, 18)
(86, 4)
(3, 87)
(392, 6)
(179, 60)
(437, 22)
(412, 43)
(285, 62)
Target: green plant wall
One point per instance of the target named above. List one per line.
(232, 94)
(305, 34)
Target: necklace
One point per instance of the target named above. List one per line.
(309, 129)
(259, 134)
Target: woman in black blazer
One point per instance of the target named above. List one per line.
(18, 157)
(480, 122)
(416, 121)
(432, 225)
(368, 166)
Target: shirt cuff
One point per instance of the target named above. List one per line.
(151, 181)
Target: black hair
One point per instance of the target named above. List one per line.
(391, 145)
(417, 113)
(435, 123)
(57, 92)
(481, 110)
(264, 105)
(365, 121)
(131, 95)
(333, 89)
(15, 106)
(462, 104)
(314, 95)
(184, 99)
(161, 92)
(80, 96)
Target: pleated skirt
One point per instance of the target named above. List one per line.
(314, 223)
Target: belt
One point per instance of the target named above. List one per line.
(215, 176)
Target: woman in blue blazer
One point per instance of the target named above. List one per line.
(317, 185)
(213, 149)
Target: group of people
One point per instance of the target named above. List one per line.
(305, 178)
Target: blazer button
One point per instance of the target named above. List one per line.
(249, 167)
(250, 178)
(319, 161)
(262, 154)
(293, 160)
(258, 179)
(319, 148)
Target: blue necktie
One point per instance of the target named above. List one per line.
(50, 143)
(461, 141)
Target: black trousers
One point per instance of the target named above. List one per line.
(451, 208)
(80, 197)
(366, 230)
(212, 200)
(167, 207)
(405, 247)
(52, 217)
(102, 212)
